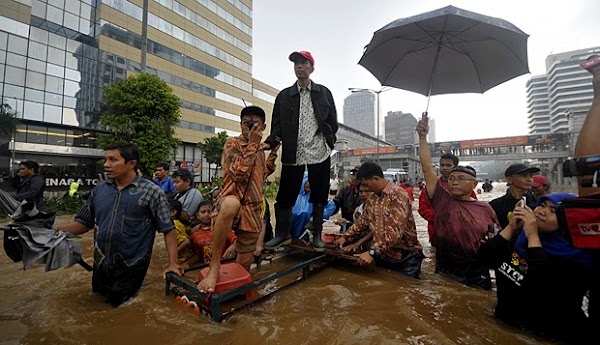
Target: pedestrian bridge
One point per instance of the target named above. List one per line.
(545, 151)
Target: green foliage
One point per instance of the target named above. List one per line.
(64, 204)
(144, 110)
(213, 148)
(8, 121)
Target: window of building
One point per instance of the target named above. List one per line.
(34, 95)
(69, 117)
(36, 65)
(56, 56)
(52, 114)
(55, 70)
(36, 80)
(54, 15)
(54, 99)
(56, 136)
(38, 8)
(54, 84)
(38, 51)
(15, 60)
(33, 111)
(36, 134)
(14, 76)
(17, 45)
(12, 92)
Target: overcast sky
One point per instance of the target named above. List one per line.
(336, 31)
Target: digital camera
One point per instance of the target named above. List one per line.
(584, 166)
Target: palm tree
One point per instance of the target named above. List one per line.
(8, 121)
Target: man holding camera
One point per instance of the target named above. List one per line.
(305, 121)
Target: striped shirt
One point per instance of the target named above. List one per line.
(245, 168)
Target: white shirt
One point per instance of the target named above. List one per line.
(312, 147)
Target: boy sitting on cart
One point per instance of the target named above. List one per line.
(238, 205)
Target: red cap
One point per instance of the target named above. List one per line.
(539, 180)
(308, 56)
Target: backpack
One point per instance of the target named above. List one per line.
(581, 217)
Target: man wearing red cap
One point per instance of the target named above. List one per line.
(305, 122)
(540, 186)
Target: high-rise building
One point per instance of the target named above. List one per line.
(56, 56)
(360, 112)
(537, 104)
(559, 100)
(400, 128)
(431, 136)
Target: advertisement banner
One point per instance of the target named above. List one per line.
(494, 142)
(373, 150)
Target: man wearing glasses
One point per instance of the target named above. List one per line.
(461, 221)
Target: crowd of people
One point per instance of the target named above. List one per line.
(541, 277)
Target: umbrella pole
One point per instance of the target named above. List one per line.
(435, 62)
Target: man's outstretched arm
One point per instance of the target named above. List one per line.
(425, 155)
(588, 142)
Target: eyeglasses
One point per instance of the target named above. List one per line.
(459, 179)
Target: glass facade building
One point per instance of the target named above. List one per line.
(56, 56)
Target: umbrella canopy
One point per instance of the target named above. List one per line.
(449, 50)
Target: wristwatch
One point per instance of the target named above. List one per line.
(372, 252)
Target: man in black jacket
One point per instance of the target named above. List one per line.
(348, 198)
(31, 188)
(519, 178)
(305, 122)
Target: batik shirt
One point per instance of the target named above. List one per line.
(245, 168)
(389, 216)
(312, 147)
(127, 219)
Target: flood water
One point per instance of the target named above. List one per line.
(342, 304)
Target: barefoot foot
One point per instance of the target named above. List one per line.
(207, 285)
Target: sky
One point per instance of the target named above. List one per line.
(336, 31)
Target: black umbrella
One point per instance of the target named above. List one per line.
(449, 50)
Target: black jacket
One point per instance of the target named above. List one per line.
(286, 114)
(348, 200)
(32, 190)
(506, 203)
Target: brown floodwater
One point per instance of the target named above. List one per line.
(341, 304)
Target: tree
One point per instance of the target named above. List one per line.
(8, 121)
(213, 149)
(143, 110)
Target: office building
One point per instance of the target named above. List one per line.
(56, 56)
(400, 128)
(559, 99)
(360, 112)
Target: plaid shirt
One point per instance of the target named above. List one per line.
(245, 168)
(127, 219)
(389, 216)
